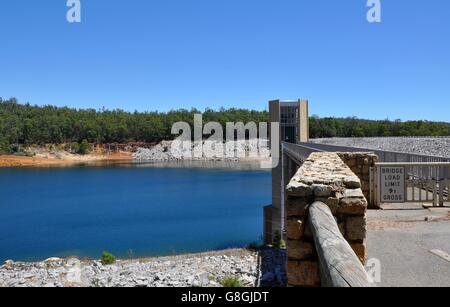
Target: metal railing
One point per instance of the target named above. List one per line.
(428, 177)
(385, 156)
(298, 152)
(393, 156)
(430, 186)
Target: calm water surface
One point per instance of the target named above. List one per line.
(142, 210)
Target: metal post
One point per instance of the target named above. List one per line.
(283, 186)
(371, 184)
(435, 196)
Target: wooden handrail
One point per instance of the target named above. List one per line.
(339, 265)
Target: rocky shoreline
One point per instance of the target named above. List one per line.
(211, 151)
(253, 268)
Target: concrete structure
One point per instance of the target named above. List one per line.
(293, 118)
(294, 127)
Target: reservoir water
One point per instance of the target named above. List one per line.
(129, 210)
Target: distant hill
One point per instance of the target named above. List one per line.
(28, 124)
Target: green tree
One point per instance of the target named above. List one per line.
(84, 148)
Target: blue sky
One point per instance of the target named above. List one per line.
(169, 54)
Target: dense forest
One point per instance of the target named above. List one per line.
(28, 124)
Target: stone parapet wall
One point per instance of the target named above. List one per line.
(323, 177)
(360, 164)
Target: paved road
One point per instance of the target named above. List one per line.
(402, 240)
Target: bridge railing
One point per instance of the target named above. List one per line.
(424, 182)
(386, 156)
(426, 174)
(299, 152)
(338, 263)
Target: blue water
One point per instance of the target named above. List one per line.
(128, 210)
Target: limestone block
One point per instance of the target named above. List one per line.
(360, 250)
(300, 250)
(322, 190)
(351, 162)
(331, 202)
(303, 274)
(352, 206)
(342, 228)
(297, 207)
(356, 228)
(299, 189)
(295, 228)
(352, 182)
(353, 193)
(307, 234)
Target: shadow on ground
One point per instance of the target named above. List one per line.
(272, 268)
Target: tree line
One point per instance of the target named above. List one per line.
(354, 127)
(27, 124)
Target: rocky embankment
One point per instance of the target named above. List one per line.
(415, 145)
(211, 151)
(263, 268)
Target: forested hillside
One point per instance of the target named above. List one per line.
(354, 127)
(28, 124)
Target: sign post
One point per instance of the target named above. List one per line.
(392, 184)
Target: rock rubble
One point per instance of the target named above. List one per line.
(415, 145)
(210, 151)
(253, 268)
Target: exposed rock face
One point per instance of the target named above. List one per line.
(198, 270)
(205, 151)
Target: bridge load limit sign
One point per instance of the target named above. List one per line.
(392, 184)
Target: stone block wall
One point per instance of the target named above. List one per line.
(323, 177)
(360, 164)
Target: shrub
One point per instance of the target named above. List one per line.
(278, 242)
(231, 282)
(4, 147)
(108, 258)
(15, 148)
(84, 148)
(72, 147)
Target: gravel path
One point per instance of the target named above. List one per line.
(265, 267)
(421, 145)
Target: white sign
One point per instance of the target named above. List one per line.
(392, 185)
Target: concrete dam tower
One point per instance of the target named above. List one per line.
(293, 117)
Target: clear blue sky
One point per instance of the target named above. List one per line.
(168, 54)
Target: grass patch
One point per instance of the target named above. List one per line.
(278, 242)
(232, 282)
(108, 258)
